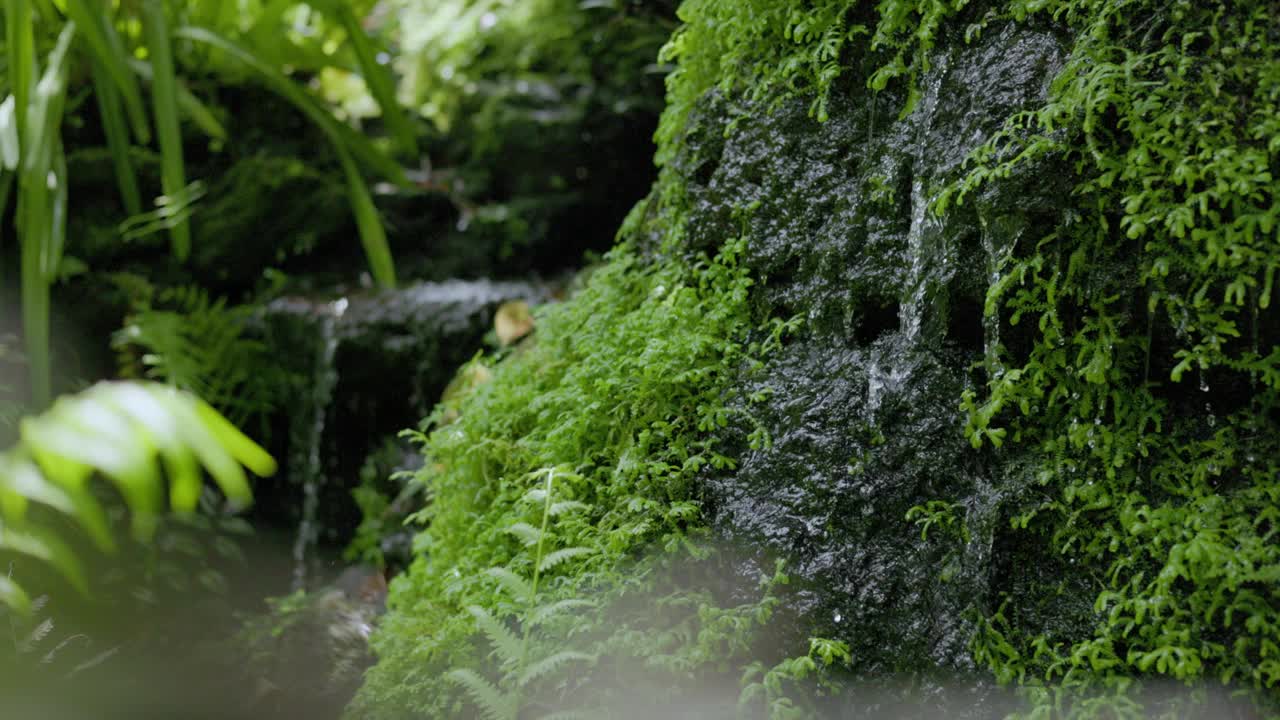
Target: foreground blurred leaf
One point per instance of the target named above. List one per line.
(135, 434)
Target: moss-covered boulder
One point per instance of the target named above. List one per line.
(961, 310)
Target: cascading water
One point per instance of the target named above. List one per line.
(926, 256)
(306, 463)
(998, 237)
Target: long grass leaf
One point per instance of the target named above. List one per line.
(376, 77)
(372, 234)
(9, 145)
(164, 101)
(339, 133)
(37, 188)
(113, 124)
(110, 57)
(189, 105)
(14, 596)
(20, 46)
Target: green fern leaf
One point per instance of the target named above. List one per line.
(559, 556)
(127, 431)
(505, 643)
(544, 613)
(43, 545)
(513, 583)
(527, 533)
(567, 506)
(493, 703)
(551, 664)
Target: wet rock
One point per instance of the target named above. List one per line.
(366, 366)
(862, 406)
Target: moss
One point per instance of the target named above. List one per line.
(620, 393)
(1127, 388)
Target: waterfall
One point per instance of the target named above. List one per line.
(305, 461)
(926, 257)
(998, 237)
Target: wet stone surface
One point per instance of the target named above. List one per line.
(863, 404)
(366, 367)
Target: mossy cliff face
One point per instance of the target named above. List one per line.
(962, 309)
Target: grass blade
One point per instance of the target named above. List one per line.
(110, 58)
(38, 190)
(20, 44)
(113, 125)
(376, 78)
(190, 105)
(372, 234)
(164, 101)
(9, 146)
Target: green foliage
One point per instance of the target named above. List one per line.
(1159, 280)
(767, 52)
(134, 434)
(520, 670)
(768, 686)
(622, 390)
(110, 40)
(464, 56)
(185, 338)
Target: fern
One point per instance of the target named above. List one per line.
(504, 700)
(196, 343)
(494, 703)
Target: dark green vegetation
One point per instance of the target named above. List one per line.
(935, 376)
(1023, 429)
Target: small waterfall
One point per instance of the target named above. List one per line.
(890, 365)
(305, 461)
(998, 237)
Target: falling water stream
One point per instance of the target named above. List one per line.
(306, 460)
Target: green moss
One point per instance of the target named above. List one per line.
(621, 392)
(1137, 380)
(1157, 281)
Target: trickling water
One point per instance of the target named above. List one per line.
(997, 242)
(305, 443)
(890, 366)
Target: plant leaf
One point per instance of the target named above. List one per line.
(164, 101)
(345, 143)
(519, 588)
(505, 643)
(548, 665)
(560, 556)
(110, 58)
(493, 703)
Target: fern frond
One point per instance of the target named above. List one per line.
(505, 643)
(36, 636)
(493, 703)
(199, 345)
(550, 664)
(563, 555)
(543, 613)
(567, 506)
(528, 534)
(519, 588)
